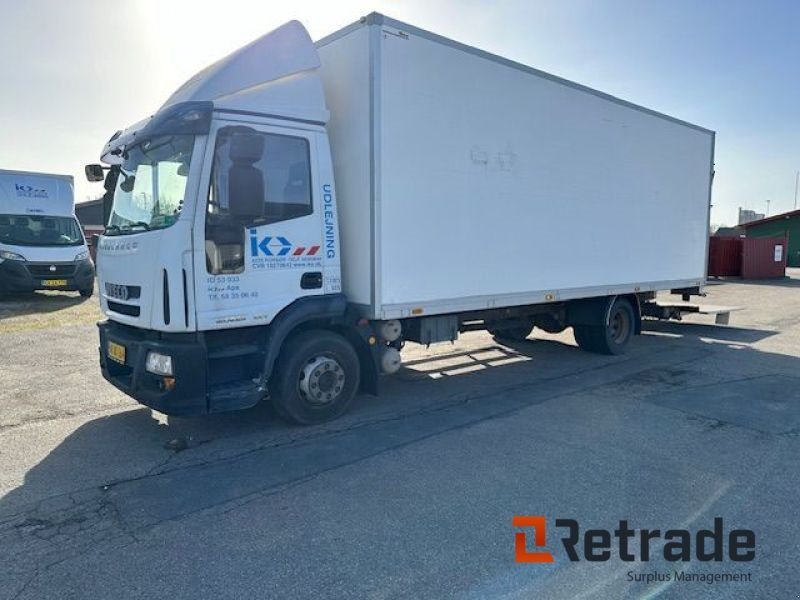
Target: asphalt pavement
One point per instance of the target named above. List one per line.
(412, 494)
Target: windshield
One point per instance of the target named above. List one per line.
(151, 184)
(40, 230)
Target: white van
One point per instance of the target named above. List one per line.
(42, 246)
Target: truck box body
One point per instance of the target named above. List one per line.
(466, 181)
(29, 193)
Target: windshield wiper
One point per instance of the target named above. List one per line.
(110, 228)
(129, 226)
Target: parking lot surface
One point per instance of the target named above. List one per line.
(411, 494)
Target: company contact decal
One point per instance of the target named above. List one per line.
(28, 191)
(227, 287)
(278, 252)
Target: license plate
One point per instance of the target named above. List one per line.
(116, 352)
(54, 282)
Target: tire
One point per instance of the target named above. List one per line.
(584, 337)
(316, 378)
(87, 293)
(611, 339)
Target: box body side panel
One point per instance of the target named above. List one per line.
(504, 186)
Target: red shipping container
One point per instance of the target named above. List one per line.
(764, 258)
(725, 257)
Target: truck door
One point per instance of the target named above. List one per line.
(261, 231)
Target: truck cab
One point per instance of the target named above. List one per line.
(42, 246)
(222, 239)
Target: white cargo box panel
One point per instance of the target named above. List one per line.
(466, 181)
(29, 193)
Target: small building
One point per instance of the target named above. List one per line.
(729, 232)
(90, 214)
(785, 225)
(747, 216)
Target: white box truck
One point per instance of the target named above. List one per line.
(471, 192)
(42, 246)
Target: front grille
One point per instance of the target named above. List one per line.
(51, 269)
(123, 292)
(123, 309)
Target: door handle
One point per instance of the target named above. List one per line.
(311, 280)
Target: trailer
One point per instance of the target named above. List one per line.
(296, 212)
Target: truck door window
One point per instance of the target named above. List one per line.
(256, 178)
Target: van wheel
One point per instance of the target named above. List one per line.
(612, 338)
(316, 379)
(87, 293)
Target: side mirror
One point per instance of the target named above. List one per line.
(108, 198)
(94, 172)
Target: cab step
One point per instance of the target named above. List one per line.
(234, 396)
(233, 351)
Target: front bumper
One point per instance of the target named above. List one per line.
(17, 276)
(189, 359)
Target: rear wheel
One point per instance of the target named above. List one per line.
(316, 378)
(87, 293)
(612, 338)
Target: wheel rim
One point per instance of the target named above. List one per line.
(321, 381)
(620, 326)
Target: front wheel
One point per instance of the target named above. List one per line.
(316, 378)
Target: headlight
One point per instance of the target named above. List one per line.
(6, 255)
(159, 364)
(81, 256)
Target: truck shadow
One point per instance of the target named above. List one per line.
(250, 452)
(714, 332)
(19, 305)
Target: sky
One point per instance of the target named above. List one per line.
(74, 72)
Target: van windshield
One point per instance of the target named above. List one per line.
(40, 230)
(151, 185)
